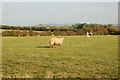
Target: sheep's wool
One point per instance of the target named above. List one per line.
(56, 41)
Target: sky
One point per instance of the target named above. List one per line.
(59, 0)
(32, 13)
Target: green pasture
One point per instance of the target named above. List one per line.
(78, 57)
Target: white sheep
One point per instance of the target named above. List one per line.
(87, 36)
(56, 41)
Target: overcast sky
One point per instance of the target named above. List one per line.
(31, 13)
(59, 0)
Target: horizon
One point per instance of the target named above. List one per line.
(69, 24)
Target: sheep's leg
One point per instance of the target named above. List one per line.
(56, 46)
(51, 46)
(60, 45)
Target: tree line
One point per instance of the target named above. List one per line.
(77, 29)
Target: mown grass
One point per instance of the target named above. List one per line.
(31, 57)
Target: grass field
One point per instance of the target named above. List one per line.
(31, 57)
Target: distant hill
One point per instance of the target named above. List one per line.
(54, 24)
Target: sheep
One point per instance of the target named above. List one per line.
(56, 41)
(87, 36)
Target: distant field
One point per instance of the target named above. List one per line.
(31, 57)
(20, 30)
(5, 30)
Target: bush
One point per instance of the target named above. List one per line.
(118, 31)
(87, 29)
(24, 33)
(64, 33)
(59, 33)
(14, 33)
(80, 32)
(5, 33)
(32, 33)
(70, 33)
(45, 33)
(101, 31)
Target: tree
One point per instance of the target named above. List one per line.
(79, 26)
(118, 31)
(73, 26)
(112, 30)
(40, 25)
(110, 25)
